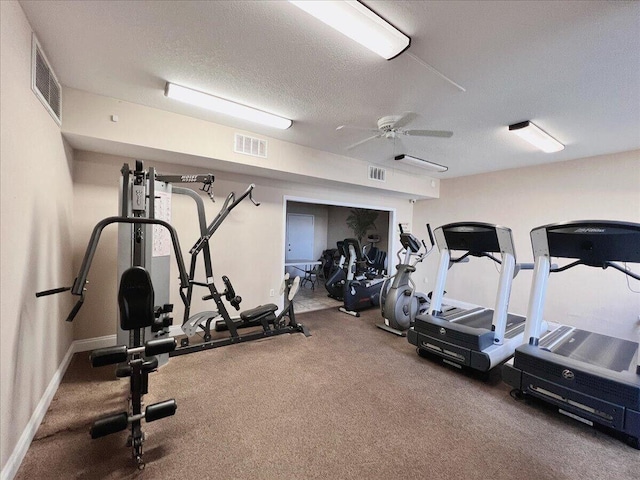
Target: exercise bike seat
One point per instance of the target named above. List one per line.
(257, 312)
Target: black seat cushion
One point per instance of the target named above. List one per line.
(135, 298)
(258, 312)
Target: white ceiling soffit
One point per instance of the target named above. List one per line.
(573, 68)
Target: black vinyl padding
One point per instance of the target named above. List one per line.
(108, 356)
(136, 299)
(160, 410)
(159, 345)
(109, 424)
(258, 311)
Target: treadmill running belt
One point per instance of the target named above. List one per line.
(484, 318)
(601, 350)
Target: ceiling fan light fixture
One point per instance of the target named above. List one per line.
(537, 137)
(359, 23)
(226, 107)
(419, 162)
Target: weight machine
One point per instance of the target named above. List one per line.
(263, 316)
(145, 244)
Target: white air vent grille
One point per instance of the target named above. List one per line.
(377, 173)
(44, 82)
(250, 146)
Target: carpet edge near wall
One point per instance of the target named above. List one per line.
(10, 469)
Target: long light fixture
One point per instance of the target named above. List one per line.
(359, 23)
(227, 107)
(536, 136)
(418, 162)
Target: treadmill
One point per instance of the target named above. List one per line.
(590, 377)
(479, 338)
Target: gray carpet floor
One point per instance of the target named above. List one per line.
(349, 402)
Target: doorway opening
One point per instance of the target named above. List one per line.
(329, 221)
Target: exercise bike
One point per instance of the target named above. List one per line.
(361, 289)
(399, 301)
(338, 275)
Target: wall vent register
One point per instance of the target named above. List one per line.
(250, 146)
(44, 82)
(377, 173)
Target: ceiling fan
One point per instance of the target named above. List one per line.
(391, 127)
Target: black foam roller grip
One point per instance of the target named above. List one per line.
(159, 345)
(109, 424)
(160, 410)
(108, 356)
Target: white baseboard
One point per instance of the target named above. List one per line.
(13, 464)
(93, 343)
(110, 340)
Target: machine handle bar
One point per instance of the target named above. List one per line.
(78, 285)
(76, 308)
(229, 204)
(53, 291)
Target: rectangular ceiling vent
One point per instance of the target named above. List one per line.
(377, 173)
(44, 82)
(250, 146)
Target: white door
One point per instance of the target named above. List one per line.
(299, 237)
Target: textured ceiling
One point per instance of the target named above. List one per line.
(571, 67)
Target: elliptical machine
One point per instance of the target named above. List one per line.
(399, 301)
(361, 290)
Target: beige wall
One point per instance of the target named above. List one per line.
(36, 189)
(248, 247)
(604, 187)
(169, 137)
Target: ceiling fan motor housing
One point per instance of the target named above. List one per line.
(385, 124)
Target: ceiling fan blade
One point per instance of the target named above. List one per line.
(363, 141)
(405, 119)
(355, 127)
(428, 133)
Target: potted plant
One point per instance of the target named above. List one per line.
(361, 220)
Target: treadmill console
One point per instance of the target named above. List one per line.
(593, 242)
(475, 238)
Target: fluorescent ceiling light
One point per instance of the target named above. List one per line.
(536, 136)
(357, 22)
(418, 162)
(226, 107)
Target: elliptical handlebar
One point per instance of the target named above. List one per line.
(419, 256)
(431, 239)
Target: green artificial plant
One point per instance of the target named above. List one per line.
(361, 220)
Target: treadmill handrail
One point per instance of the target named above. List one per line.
(604, 266)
